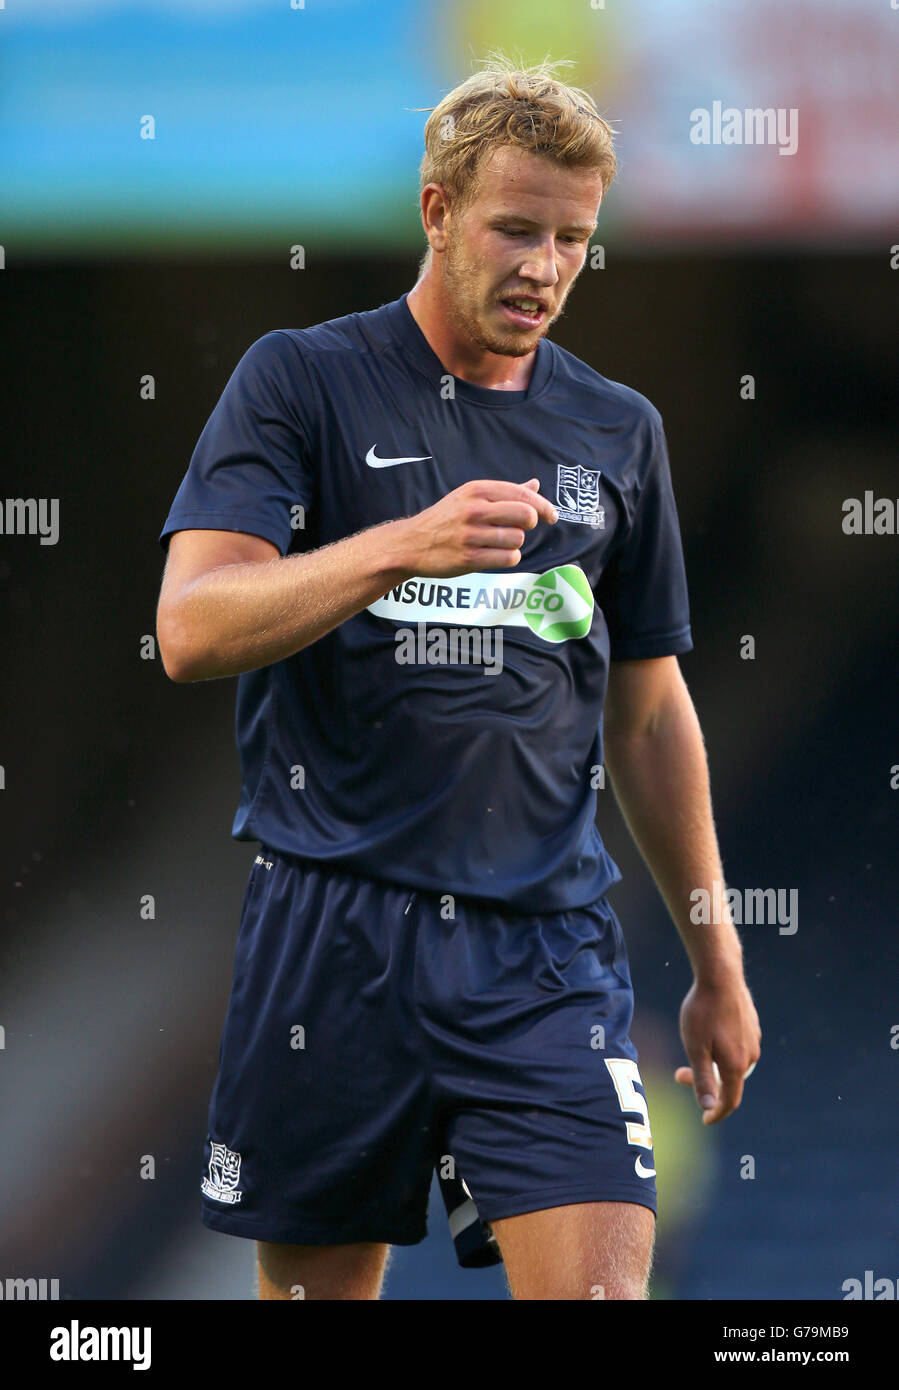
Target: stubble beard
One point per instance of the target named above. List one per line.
(464, 306)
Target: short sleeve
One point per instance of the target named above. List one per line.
(643, 590)
(252, 463)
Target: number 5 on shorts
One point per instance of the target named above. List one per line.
(624, 1073)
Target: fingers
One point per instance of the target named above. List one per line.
(487, 559)
(718, 1096)
(518, 514)
(729, 1092)
(703, 1077)
(499, 538)
(545, 509)
(525, 496)
(480, 525)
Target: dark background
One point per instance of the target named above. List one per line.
(120, 784)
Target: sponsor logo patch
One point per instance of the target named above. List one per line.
(557, 606)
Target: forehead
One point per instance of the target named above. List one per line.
(512, 179)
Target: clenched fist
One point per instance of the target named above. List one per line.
(479, 525)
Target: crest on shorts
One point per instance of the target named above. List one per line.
(224, 1172)
(577, 495)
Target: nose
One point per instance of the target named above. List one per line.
(540, 267)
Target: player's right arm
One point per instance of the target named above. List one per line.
(230, 602)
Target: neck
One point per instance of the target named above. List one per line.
(462, 357)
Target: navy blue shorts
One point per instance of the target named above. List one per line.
(374, 1033)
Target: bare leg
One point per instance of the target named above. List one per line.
(589, 1250)
(320, 1271)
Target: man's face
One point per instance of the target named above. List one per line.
(525, 236)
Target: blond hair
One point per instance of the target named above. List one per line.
(527, 107)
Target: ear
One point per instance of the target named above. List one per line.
(434, 215)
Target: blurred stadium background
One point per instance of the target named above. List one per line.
(276, 127)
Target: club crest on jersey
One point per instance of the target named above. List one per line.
(224, 1171)
(577, 496)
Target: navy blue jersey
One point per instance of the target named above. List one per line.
(396, 746)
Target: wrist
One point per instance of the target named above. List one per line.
(394, 551)
(717, 971)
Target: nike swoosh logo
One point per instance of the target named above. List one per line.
(374, 462)
(641, 1171)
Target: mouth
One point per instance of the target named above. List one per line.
(523, 310)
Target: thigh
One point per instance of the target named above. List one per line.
(544, 1106)
(588, 1250)
(320, 1121)
(293, 1272)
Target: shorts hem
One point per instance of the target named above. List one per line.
(292, 1231)
(501, 1207)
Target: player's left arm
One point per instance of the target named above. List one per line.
(655, 756)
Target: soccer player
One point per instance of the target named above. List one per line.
(428, 971)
